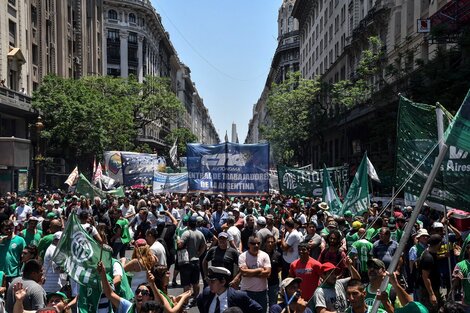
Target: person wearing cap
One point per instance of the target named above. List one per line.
(376, 273)
(31, 234)
(222, 255)
(415, 252)
(330, 296)
(255, 268)
(306, 268)
(218, 296)
(361, 251)
(51, 269)
(31, 281)
(352, 235)
(429, 282)
(262, 232)
(290, 293)
(194, 242)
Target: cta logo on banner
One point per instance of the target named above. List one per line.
(173, 183)
(228, 168)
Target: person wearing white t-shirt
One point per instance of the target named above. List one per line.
(53, 281)
(90, 229)
(156, 247)
(290, 239)
(255, 268)
(23, 211)
(128, 210)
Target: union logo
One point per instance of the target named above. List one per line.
(82, 250)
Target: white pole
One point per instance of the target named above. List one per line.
(412, 221)
(440, 135)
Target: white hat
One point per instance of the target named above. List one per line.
(261, 220)
(422, 232)
(289, 280)
(437, 225)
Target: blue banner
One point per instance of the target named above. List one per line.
(229, 168)
(173, 183)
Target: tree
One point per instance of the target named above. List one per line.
(291, 105)
(85, 117)
(183, 137)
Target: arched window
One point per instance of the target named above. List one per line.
(112, 15)
(132, 18)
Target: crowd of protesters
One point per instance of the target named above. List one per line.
(251, 254)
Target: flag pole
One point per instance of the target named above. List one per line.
(414, 216)
(440, 136)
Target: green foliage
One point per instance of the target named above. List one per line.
(349, 93)
(183, 137)
(85, 117)
(290, 106)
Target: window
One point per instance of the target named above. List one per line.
(132, 18)
(113, 35)
(112, 15)
(12, 2)
(12, 33)
(132, 38)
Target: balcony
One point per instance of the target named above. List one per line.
(15, 102)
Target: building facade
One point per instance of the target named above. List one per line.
(73, 39)
(333, 36)
(285, 60)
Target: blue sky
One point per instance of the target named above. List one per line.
(228, 45)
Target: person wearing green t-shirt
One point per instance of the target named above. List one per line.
(121, 238)
(11, 247)
(356, 295)
(362, 249)
(376, 273)
(461, 274)
(45, 242)
(31, 234)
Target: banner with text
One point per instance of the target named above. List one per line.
(293, 181)
(416, 136)
(173, 183)
(228, 168)
(132, 168)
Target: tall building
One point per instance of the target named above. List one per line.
(285, 60)
(76, 38)
(333, 35)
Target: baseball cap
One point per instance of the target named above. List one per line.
(348, 213)
(223, 234)
(289, 280)
(356, 225)
(51, 215)
(57, 293)
(261, 220)
(376, 263)
(140, 242)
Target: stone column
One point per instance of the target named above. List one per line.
(124, 52)
(140, 72)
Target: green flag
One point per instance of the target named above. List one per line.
(329, 193)
(78, 254)
(458, 133)
(357, 199)
(84, 187)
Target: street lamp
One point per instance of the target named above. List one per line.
(39, 127)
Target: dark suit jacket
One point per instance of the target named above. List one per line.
(234, 298)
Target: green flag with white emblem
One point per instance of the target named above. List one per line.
(357, 200)
(78, 254)
(329, 193)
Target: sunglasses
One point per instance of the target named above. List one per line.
(143, 292)
(255, 243)
(55, 301)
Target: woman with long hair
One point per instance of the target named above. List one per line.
(142, 261)
(143, 294)
(159, 284)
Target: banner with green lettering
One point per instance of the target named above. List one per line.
(78, 254)
(416, 136)
(294, 181)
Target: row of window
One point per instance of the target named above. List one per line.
(132, 18)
